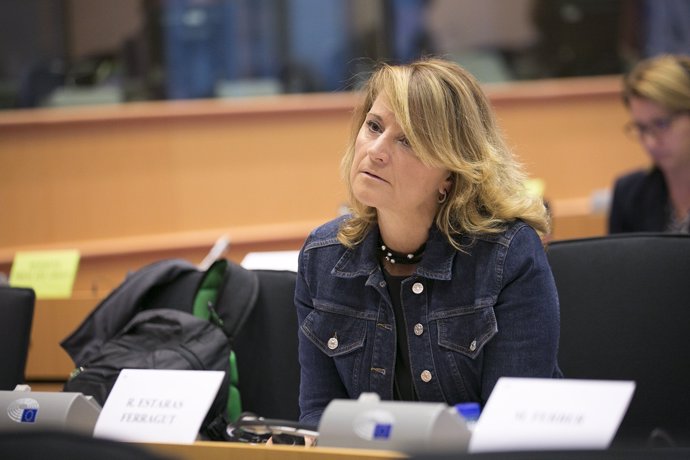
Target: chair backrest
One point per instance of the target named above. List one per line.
(625, 315)
(16, 316)
(266, 350)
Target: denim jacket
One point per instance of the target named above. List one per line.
(471, 316)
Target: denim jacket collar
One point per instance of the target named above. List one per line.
(437, 262)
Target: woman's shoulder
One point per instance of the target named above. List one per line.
(325, 234)
(639, 178)
(516, 229)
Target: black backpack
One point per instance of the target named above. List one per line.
(167, 315)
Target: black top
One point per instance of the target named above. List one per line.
(403, 388)
(640, 203)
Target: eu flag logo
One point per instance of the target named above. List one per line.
(382, 431)
(29, 415)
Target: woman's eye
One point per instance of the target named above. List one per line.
(405, 142)
(662, 123)
(374, 126)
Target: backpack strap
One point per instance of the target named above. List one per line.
(240, 290)
(207, 291)
(236, 298)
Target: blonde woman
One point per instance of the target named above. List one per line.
(657, 199)
(437, 283)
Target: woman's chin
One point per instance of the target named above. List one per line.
(368, 198)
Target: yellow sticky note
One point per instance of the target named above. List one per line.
(51, 274)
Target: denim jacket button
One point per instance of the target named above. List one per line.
(418, 329)
(417, 288)
(426, 376)
(382, 284)
(473, 345)
(332, 343)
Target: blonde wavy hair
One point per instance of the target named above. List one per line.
(450, 124)
(664, 79)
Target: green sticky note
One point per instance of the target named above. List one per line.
(51, 274)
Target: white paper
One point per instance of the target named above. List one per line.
(271, 260)
(551, 414)
(154, 405)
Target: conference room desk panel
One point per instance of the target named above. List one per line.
(208, 450)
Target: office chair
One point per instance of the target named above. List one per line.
(16, 316)
(625, 315)
(266, 350)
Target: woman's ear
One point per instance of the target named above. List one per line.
(447, 184)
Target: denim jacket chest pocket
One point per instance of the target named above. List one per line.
(465, 329)
(336, 330)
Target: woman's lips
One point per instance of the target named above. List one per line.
(374, 176)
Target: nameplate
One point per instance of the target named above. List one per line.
(51, 274)
(152, 405)
(551, 414)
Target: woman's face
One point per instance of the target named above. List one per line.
(663, 134)
(387, 175)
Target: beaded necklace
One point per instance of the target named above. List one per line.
(396, 257)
